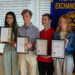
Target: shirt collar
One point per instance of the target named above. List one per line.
(47, 30)
(27, 26)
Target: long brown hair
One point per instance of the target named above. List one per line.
(14, 24)
(68, 21)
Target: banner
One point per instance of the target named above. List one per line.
(61, 7)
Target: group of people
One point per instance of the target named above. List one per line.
(22, 64)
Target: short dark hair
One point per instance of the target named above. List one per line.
(48, 15)
(25, 11)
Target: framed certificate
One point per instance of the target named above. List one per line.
(5, 34)
(2, 48)
(22, 45)
(58, 48)
(42, 47)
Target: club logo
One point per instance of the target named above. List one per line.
(72, 16)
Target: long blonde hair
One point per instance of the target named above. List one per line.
(68, 21)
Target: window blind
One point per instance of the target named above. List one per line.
(38, 7)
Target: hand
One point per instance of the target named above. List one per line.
(35, 45)
(66, 42)
(12, 43)
(46, 56)
(29, 45)
(15, 45)
(1, 54)
(54, 59)
(0, 42)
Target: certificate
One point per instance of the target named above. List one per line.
(58, 48)
(5, 34)
(2, 48)
(22, 45)
(42, 46)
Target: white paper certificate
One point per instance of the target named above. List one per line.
(22, 44)
(5, 34)
(42, 46)
(2, 48)
(58, 48)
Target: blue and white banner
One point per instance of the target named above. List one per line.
(61, 7)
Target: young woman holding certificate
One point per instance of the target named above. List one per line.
(63, 31)
(45, 63)
(10, 55)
